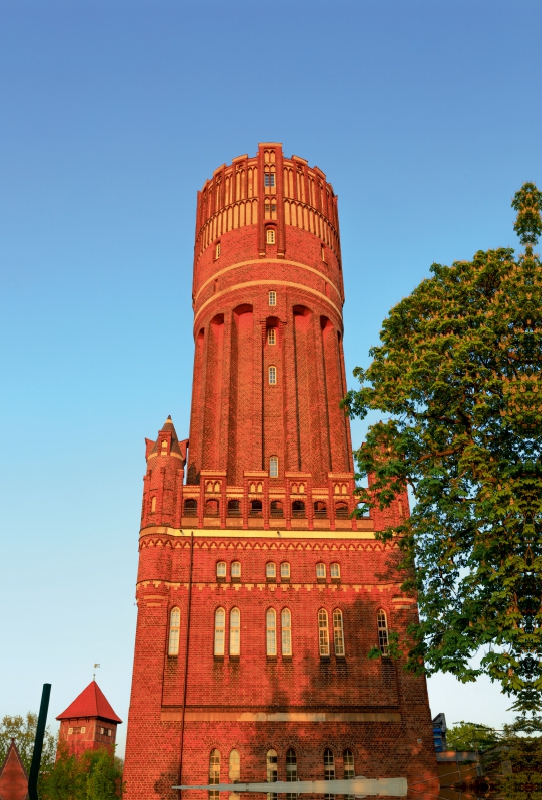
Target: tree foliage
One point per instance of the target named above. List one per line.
(470, 736)
(93, 775)
(23, 730)
(457, 375)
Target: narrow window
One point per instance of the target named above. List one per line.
(320, 570)
(286, 625)
(323, 635)
(174, 631)
(272, 298)
(235, 632)
(221, 569)
(323, 252)
(284, 570)
(272, 772)
(348, 761)
(291, 770)
(338, 635)
(271, 624)
(329, 769)
(269, 179)
(220, 619)
(217, 250)
(214, 772)
(272, 376)
(271, 336)
(382, 632)
(153, 505)
(236, 569)
(270, 236)
(235, 766)
(335, 570)
(270, 570)
(273, 467)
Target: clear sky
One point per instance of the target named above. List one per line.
(425, 116)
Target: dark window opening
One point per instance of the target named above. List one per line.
(320, 510)
(276, 509)
(298, 509)
(190, 508)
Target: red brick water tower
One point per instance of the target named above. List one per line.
(258, 596)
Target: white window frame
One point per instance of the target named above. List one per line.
(221, 569)
(174, 631)
(235, 632)
(335, 570)
(235, 569)
(286, 631)
(217, 250)
(338, 632)
(320, 570)
(270, 570)
(271, 632)
(274, 467)
(272, 298)
(285, 569)
(270, 237)
(382, 625)
(323, 632)
(271, 336)
(272, 375)
(220, 632)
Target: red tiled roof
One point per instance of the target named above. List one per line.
(91, 703)
(13, 778)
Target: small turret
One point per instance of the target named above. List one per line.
(89, 723)
(162, 492)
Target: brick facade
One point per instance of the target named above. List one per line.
(266, 224)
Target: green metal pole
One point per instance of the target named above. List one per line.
(38, 743)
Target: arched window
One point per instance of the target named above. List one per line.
(234, 508)
(329, 769)
(270, 237)
(285, 570)
(382, 631)
(214, 772)
(272, 298)
(220, 569)
(286, 625)
(348, 762)
(276, 509)
(323, 634)
(235, 569)
(335, 570)
(291, 765)
(273, 469)
(212, 508)
(338, 634)
(153, 505)
(270, 570)
(272, 376)
(341, 511)
(320, 570)
(298, 509)
(174, 631)
(190, 508)
(271, 626)
(320, 510)
(220, 623)
(256, 508)
(271, 336)
(235, 766)
(272, 766)
(235, 632)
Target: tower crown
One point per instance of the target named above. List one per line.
(166, 458)
(89, 722)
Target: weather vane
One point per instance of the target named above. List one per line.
(96, 666)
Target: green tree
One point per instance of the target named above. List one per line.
(23, 730)
(92, 775)
(458, 376)
(470, 736)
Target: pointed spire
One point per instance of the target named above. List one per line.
(13, 777)
(92, 702)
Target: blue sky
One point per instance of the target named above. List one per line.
(426, 118)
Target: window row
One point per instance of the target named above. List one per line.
(274, 636)
(255, 509)
(271, 569)
(271, 772)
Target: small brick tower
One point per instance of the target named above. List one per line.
(89, 723)
(258, 596)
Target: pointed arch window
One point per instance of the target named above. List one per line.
(286, 629)
(235, 766)
(291, 771)
(348, 763)
(382, 623)
(270, 236)
(272, 771)
(271, 632)
(235, 632)
(220, 632)
(174, 631)
(214, 772)
(338, 634)
(323, 633)
(271, 336)
(329, 769)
